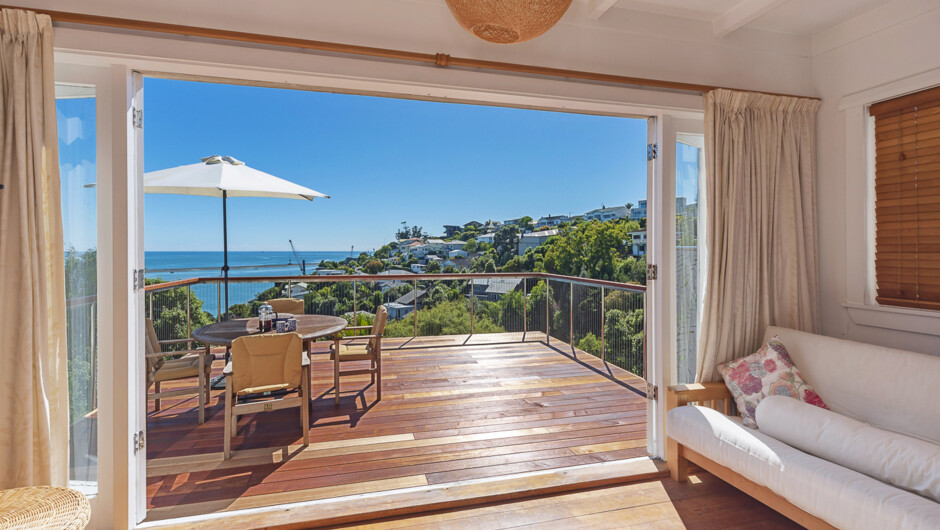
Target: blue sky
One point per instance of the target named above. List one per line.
(77, 171)
(382, 160)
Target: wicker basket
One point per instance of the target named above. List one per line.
(507, 21)
(43, 507)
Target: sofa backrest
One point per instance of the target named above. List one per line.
(891, 389)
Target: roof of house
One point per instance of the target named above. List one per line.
(435, 242)
(393, 272)
(496, 285)
(606, 209)
(543, 233)
(409, 297)
(553, 217)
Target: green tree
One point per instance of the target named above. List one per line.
(373, 266)
(506, 243)
(490, 266)
(169, 314)
(445, 318)
(433, 267)
(471, 245)
(516, 264)
(591, 344)
(384, 252)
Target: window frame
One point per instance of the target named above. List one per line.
(859, 191)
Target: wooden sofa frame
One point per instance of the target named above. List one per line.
(678, 456)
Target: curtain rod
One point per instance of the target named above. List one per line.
(437, 59)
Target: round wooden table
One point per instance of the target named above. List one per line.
(310, 327)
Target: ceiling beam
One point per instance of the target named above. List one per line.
(597, 8)
(743, 14)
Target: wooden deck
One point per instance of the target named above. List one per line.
(454, 409)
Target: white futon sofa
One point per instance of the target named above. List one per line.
(883, 430)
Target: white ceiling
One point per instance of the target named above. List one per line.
(801, 17)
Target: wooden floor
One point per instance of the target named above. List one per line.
(453, 409)
(705, 502)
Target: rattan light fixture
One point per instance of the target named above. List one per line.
(508, 21)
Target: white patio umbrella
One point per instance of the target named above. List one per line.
(224, 176)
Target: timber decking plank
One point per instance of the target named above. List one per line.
(708, 503)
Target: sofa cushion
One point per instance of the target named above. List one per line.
(891, 389)
(901, 460)
(838, 495)
(769, 371)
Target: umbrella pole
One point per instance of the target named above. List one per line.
(218, 382)
(225, 247)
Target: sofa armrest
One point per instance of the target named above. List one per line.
(679, 395)
(685, 394)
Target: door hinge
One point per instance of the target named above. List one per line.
(651, 272)
(652, 392)
(139, 280)
(652, 151)
(138, 442)
(137, 117)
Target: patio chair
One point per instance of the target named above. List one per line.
(346, 349)
(270, 363)
(160, 370)
(294, 306)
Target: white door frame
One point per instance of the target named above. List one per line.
(120, 243)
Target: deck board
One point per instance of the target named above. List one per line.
(703, 503)
(453, 409)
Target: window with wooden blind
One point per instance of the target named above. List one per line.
(907, 200)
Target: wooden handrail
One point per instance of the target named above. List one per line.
(440, 60)
(399, 277)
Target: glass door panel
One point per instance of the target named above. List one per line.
(690, 167)
(75, 113)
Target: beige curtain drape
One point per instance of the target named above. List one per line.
(760, 153)
(33, 376)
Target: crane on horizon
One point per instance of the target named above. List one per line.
(300, 263)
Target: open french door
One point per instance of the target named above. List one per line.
(675, 257)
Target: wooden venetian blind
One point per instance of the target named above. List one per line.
(907, 200)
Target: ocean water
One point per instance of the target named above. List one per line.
(169, 266)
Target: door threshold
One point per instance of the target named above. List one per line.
(410, 501)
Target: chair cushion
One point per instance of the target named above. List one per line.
(181, 368)
(901, 460)
(352, 352)
(769, 371)
(838, 495)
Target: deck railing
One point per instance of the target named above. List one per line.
(600, 317)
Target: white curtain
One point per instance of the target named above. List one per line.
(760, 152)
(33, 371)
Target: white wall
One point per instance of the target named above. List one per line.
(892, 47)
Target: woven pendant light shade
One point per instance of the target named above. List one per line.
(508, 21)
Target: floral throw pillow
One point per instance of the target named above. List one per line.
(768, 372)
